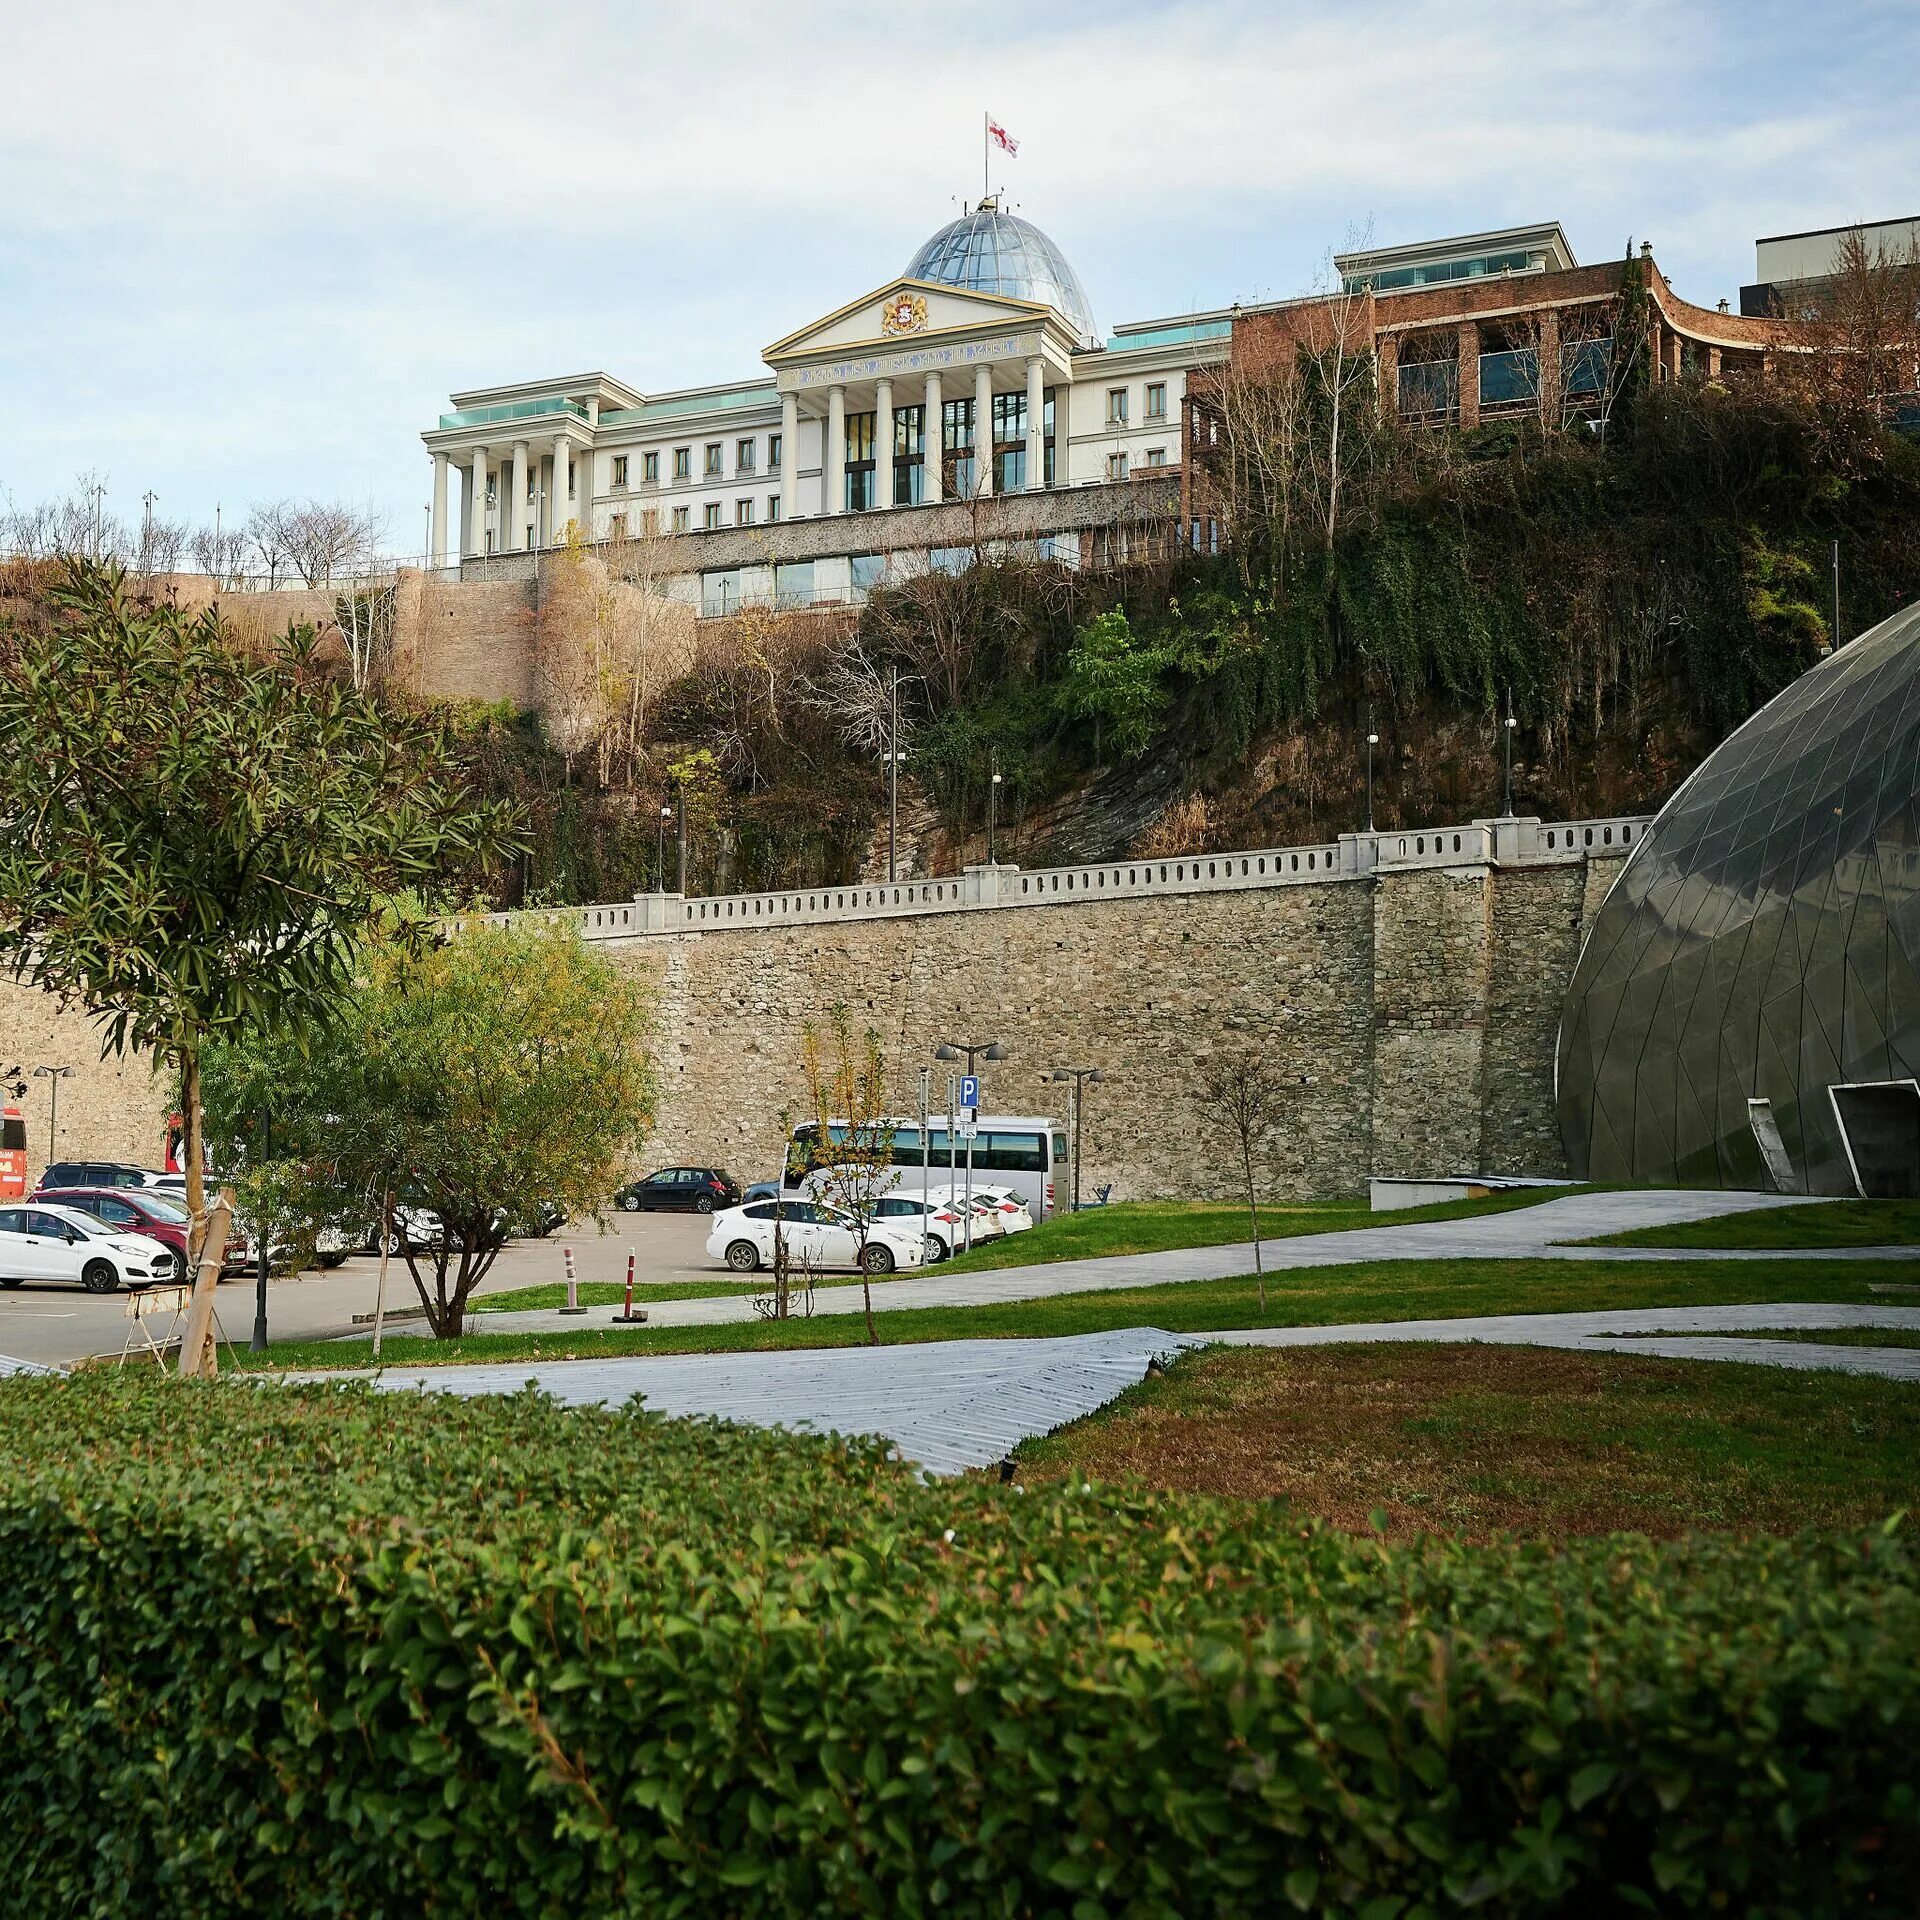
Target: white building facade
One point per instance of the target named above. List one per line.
(978, 373)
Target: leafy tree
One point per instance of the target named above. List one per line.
(197, 839)
(499, 1072)
(1113, 679)
(852, 1154)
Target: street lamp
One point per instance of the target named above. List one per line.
(993, 808)
(52, 1075)
(680, 826)
(894, 757)
(1080, 1078)
(1506, 811)
(660, 849)
(953, 1049)
(1373, 740)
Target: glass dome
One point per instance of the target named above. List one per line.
(989, 251)
(1746, 1010)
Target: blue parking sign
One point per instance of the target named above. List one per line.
(969, 1089)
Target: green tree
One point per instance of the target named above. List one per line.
(499, 1072)
(1113, 679)
(197, 839)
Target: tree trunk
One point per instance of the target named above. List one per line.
(866, 1287)
(196, 1343)
(199, 1354)
(1253, 1214)
(380, 1285)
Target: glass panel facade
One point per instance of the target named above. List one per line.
(1584, 365)
(957, 447)
(862, 490)
(1429, 387)
(1510, 379)
(1440, 272)
(994, 252)
(1762, 944)
(793, 583)
(720, 591)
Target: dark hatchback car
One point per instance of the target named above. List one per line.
(94, 1173)
(679, 1190)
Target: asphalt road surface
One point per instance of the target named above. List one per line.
(60, 1324)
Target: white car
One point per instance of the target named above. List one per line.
(818, 1237)
(987, 1220)
(940, 1221)
(1013, 1213)
(62, 1244)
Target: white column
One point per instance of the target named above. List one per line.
(478, 499)
(933, 441)
(983, 431)
(833, 457)
(1036, 424)
(515, 518)
(561, 512)
(790, 456)
(437, 539)
(883, 442)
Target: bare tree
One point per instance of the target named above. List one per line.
(365, 617)
(162, 544)
(326, 538)
(269, 539)
(1244, 1091)
(853, 1140)
(219, 553)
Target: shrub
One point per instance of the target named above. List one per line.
(313, 1651)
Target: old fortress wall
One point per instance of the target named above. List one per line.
(1408, 985)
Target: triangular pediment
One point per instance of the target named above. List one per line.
(903, 311)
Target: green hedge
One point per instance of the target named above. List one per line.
(312, 1651)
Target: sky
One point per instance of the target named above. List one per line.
(246, 251)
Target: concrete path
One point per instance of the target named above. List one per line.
(1689, 1334)
(1525, 1233)
(954, 1404)
(948, 1405)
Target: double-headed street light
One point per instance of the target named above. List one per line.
(53, 1076)
(1080, 1079)
(953, 1049)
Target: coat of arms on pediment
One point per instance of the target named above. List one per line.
(903, 313)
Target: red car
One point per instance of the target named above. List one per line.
(141, 1210)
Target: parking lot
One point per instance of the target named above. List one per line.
(61, 1324)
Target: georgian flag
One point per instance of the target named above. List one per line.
(1000, 136)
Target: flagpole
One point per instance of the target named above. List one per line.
(986, 121)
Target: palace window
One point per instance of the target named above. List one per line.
(1156, 456)
(743, 513)
(793, 583)
(649, 521)
(1116, 466)
(866, 571)
(861, 487)
(617, 529)
(956, 448)
(773, 508)
(650, 468)
(774, 451)
(680, 519)
(712, 515)
(619, 470)
(909, 456)
(1116, 406)
(720, 592)
(743, 456)
(683, 463)
(1156, 399)
(712, 467)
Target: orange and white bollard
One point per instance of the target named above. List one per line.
(573, 1286)
(627, 1317)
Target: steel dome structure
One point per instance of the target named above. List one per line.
(1746, 1009)
(987, 251)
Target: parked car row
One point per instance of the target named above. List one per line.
(58, 1243)
(907, 1229)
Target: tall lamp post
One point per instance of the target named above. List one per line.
(953, 1050)
(1080, 1078)
(1506, 810)
(894, 758)
(660, 849)
(53, 1076)
(993, 807)
(1373, 740)
(258, 1344)
(680, 831)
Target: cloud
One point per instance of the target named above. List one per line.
(255, 245)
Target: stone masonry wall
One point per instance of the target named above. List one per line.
(1412, 1014)
(1432, 957)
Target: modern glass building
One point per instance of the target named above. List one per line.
(1746, 1012)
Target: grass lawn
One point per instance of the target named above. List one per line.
(1315, 1296)
(1479, 1440)
(1158, 1226)
(1831, 1223)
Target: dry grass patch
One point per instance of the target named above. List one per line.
(1479, 1440)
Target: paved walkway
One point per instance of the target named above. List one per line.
(954, 1404)
(1525, 1233)
(948, 1405)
